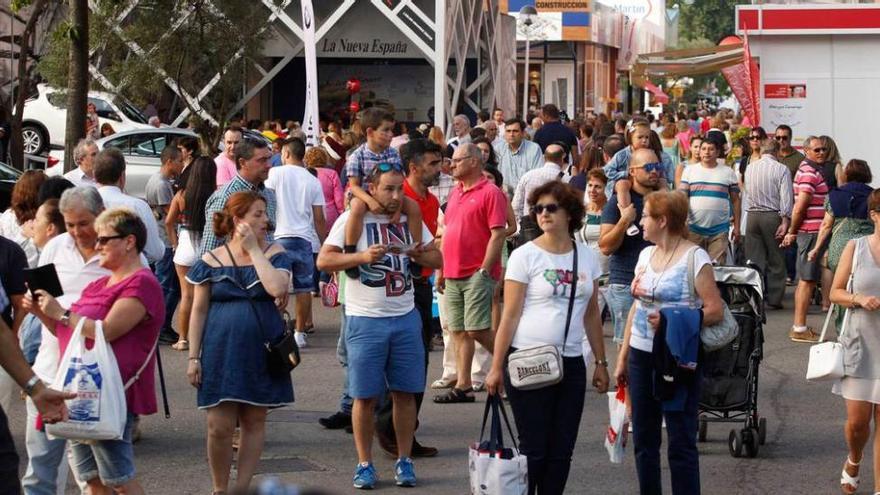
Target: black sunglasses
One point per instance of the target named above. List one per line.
(550, 208)
(820, 150)
(781, 138)
(754, 138)
(105, 239)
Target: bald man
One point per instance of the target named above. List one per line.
(554, 162)
(620, 237)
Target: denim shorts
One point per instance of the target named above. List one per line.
(384, 350)
(303, 269)
(619, 299)
(110, 460)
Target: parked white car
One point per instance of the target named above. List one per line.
(142, 149)
(45, 117)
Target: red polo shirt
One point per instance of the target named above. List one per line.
(430, 208)
(470, 217)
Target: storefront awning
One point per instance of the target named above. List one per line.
(689, 62)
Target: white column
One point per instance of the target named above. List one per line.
(440, 63)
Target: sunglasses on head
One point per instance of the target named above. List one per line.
(550, 207)
(652, 167)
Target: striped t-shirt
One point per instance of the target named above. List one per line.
(709, 190)
(810, 180)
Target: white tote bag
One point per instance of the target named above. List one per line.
(99, 411)
(494, 469)
(826, 358)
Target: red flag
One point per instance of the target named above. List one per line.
(744, 81)
(658, 93)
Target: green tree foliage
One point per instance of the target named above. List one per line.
(707, 19)
(182, 44)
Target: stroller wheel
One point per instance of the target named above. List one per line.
(750, 440)
(762, 430)
(704, 426)
(735, 443)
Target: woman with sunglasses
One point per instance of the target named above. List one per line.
(860, 387)
(537, 289)
(129, 303)
(662, 281)
(751, 151)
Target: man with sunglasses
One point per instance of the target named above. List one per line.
(713, 196)
(787, 155)
(383, 334)
(620, 236)
(811, 188)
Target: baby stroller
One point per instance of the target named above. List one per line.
(730, 374)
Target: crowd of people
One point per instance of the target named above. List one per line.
(528, 234)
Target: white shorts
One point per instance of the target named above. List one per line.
(187, 252)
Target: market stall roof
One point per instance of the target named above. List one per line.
(688, 62)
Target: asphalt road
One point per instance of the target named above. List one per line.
(804, 452)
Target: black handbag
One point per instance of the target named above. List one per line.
(283, 355)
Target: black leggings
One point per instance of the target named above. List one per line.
(547, 422)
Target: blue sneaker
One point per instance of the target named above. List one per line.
(405, 472)
(365, 476)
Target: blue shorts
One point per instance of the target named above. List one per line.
(110, 460)
(384, 350)
(303, 268)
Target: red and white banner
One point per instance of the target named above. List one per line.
(744, 82)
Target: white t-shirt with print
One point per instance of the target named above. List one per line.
(654, 291)
(549, 278)
(384, 288)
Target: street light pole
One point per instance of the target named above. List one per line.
(527, 16)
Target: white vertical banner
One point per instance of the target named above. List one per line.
(310, 118)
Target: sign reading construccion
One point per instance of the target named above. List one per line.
(562, 5)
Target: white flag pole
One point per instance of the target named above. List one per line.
(310, 118)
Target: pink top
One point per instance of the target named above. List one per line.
(225, 169)
(470, 217)
(334, 200)
(684, 138)
(132, 348)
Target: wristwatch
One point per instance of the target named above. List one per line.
(29, 386)
(484, 272)
(65, 318)
(602, 362)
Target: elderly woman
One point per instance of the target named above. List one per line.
(130, 305)
(662, 281)
(536, 312)
(860, 387)
(846, 212)
(78, 263)
(233, 315)
(16, 223)
(594, 203)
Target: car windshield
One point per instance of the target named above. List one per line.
(131, 111)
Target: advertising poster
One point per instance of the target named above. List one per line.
(785, 102)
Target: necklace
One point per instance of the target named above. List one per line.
(665, 267)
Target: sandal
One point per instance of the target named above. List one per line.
(455, 396)
(180, 345)
(847, 480)
(443, 383)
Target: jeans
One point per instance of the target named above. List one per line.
(619, 299)
(30, 337)
(8, 460)
(167, 276)
(547, 421)
(681, 431)
(47, 465)
(345, 400)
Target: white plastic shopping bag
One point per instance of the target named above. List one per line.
(615, 437)
(99, 411)
(493, 468)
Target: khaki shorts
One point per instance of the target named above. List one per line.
(469, 303)
(715, 245)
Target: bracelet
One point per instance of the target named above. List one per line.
(602, 362)
(31, 384)
(195, 359)
(852, 300)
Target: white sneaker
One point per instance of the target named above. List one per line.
(300, 338)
